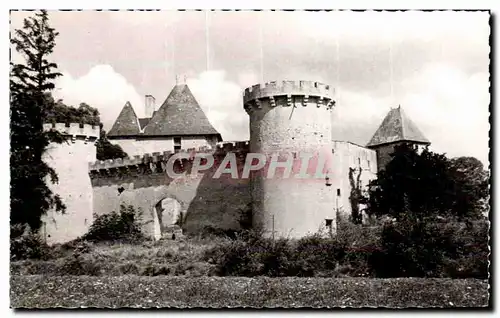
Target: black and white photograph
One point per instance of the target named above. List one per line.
(250, 159)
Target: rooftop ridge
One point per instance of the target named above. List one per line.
(180, 114)
(396, 126)
(126, 123)
(157, 157)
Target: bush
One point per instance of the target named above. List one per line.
(123, 226)
(425, 248)
(253, 255)
(28, 245)
(471, 259)
(79, 266)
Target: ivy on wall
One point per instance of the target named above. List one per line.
(356, 195)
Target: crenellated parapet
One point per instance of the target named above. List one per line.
(157, 161)
(287, 94)
(76, 131)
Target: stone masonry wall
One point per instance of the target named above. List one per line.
(143, 183)
(142, 146)
(70, 161)
(349, 155)
(292, 117)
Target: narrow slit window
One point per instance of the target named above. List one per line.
(338, 192)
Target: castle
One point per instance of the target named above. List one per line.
(288, 117)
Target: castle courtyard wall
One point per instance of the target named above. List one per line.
(205, 201)
(349, 155)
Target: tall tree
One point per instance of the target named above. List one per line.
(30, 85)
(429, 184)
(471, 185)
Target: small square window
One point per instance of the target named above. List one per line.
(329, 222)
(177, 141)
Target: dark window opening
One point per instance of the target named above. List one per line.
(177, 144)
(328, 222)
(338, 192)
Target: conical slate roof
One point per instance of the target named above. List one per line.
(180, 114)
(396, 126)
(126, 124)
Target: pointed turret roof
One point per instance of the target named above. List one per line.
(396, 126)
(180, 114)
(126, 124)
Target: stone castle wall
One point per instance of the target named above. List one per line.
(70, 161)
(142, 182)
(143, 145)
(349, 155)
(289, 120)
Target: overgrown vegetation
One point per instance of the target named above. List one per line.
(106, 150)
(429, 184)
(422, 248)
(61, 113)
(25, 244)
(415, 248)
(356, 196)
(122, 226)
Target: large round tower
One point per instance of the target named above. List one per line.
(290, 121)
(70, 160)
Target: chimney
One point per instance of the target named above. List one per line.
(150, 106)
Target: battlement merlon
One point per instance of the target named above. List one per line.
(284, 88)
(91, 132)
(156, 157)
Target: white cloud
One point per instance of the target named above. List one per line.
(221, 100)
(102, 87)
(452, 109)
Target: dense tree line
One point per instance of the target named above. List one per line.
(429, 184)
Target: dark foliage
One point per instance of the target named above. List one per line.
(254, 255)
(418, 248)
(122, 226)
(61, 113)
(106, 150)
(356, 196)
(429, 184)
(407, 248)
(30, 86)
(25, 244)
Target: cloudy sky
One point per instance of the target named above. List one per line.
(438, 60)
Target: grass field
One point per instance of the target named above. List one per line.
(30, 291)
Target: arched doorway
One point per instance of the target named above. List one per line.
(169, 213)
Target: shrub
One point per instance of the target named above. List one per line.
(253, 255)
(123, 226)
(425, 248)
(28, 245)
(79, 266)
(471, 259)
